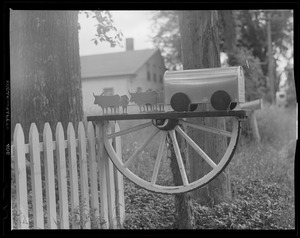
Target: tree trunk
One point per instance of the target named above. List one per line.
(45, 68)
(200, 49)
(183, 205)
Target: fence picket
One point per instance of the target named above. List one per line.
(112, 210)
(72, 159)
(85, 208)
(119, 183)
(102, 155)
(111, 195)
(93, 171)
(36, 178)
(62, 177)
(49, 178)
(21, 179)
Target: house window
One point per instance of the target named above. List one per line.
(154, 73)
(161, 78)
(148, 72)
(108, 91)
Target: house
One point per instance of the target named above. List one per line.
(119, 73)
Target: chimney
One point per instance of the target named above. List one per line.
(129, 44)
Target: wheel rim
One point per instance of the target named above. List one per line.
(187, 186)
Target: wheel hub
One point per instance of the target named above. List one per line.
(165, 124)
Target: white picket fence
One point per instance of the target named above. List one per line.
(66, 196)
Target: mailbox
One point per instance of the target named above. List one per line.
(223, 88)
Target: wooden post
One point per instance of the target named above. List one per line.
(254, 127)
(84, 185)
(111, 195)
(119, 183)
(102, 175)
(92, 160)
(252, 106)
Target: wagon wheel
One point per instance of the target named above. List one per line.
(172, 127)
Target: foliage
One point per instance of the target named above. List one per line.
(255, 81)
(147, 210)
(258, 206)
(250, 37)
(291, 88)
(251, 31)
(167, 37)
(106, 31)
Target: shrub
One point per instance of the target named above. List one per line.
(258, 206)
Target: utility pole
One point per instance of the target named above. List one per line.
(270, 59)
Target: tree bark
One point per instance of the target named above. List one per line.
(45, 68)
(200, 49)
(184, 218)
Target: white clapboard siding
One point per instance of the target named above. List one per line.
(83, 192)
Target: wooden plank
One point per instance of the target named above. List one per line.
(102, 175)
(207, 128)
(110, 185)
(71, 144)
(158, 158)
(129, 130)
(49, 178)
(84, 183)
(252, 105)
(119, 183)
(36, 178)
(62, 177)
(21, 177)
(179, 158)
(196, 147)
(93, 172)
(167, 115)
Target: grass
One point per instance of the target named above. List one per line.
(262, 179)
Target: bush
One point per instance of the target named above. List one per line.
(147, 210)
(277, 126)
(258, 206)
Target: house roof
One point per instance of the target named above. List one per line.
(113, 64)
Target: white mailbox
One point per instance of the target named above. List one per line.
(223, 88)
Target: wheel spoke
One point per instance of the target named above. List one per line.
(196, 147)
(207, 128)
(141, 147)
(178, 157)
(158, 158)
(126, 131)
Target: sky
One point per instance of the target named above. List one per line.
(133, 24)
